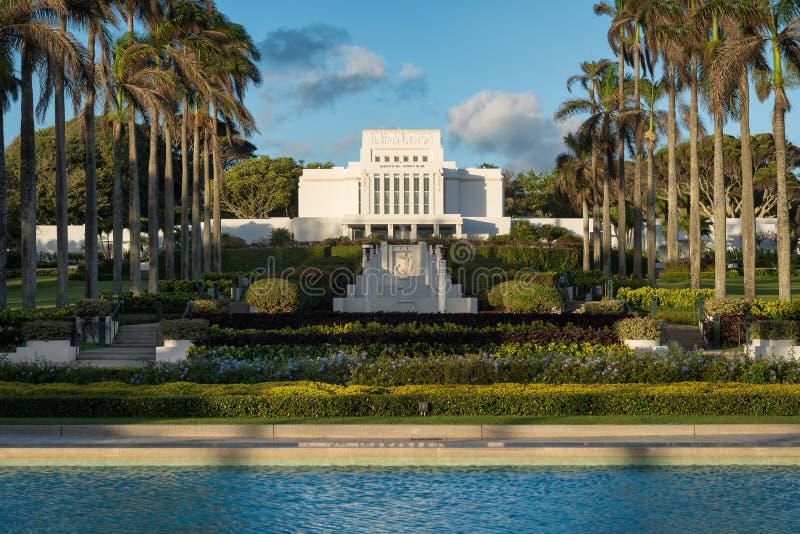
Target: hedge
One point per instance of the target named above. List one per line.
(640, 299)
(277, 321)
(280, 258)
(540, 258)
(308, 400)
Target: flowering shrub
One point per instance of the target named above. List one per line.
(726, 306)
(763, 309)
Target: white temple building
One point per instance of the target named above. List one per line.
(401, 188)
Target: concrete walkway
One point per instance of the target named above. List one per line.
(400, 445)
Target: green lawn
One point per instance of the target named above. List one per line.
(46, 291)
(432, 420)
(766, 287)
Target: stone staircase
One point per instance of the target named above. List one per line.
(687, 336)
(133, 345)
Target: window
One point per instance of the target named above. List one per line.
(397, 159)
(424, 158)
(405, 159)
(377, 159)
(416, 194)
(376, 206)
(385, 193)
(386, 159)
(426, 188)
(396, 194)
(406, 195)
(415, 158)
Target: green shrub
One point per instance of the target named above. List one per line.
(207, 306)
(308, 399)
(774, 329)
(674, 277)
(763, 309)
(184, 329)
(93, 308)
(639, 299)
(177, 286)
(45, 330)
(276, 295)
(726, 306)
(555, 259)
(765, 272)
(280, 237)
(547, 279)
(734, 273)
(638, 328)
(604, 307)
(519, 296)
(586, 280)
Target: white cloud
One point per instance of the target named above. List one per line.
(511, 125)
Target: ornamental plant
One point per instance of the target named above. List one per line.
(45, 330)
(604, 307)
(726, 306)
(774, 329)
(639, 299)
(87, 308)
(193, 329)
(519, 296)
(276, 295)
(638, 328)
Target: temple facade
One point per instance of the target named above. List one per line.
(400, 188)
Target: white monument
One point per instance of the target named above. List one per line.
(404, 278)
(401, 188)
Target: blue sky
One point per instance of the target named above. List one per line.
(488, 74)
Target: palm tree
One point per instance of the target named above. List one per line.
(743, 52)
(592, 73)
(573, 184)
(778, 29)
(602, 128)
(652, 93)
(9, 86)
(30, 27)
(616, 39)
(206, 200)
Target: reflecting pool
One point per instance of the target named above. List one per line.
(419, 499)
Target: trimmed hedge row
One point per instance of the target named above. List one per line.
(277, 321)
(474, 338)
(280, 258)
(322, 400)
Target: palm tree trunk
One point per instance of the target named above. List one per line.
(784, 239)
(607, 216)
(134, 222)
(62, 235)
(196, 231)
(27, 184)
(116, 208)
(694, 183)
(186, 263)
(720, 237)
(152, 205)
(206, 205)
(621, 226)
(90, 240)
(169, 207)
(595, 212)
(637, 174)
(672, 173)
(651, 216)
(3, 219)
(585, 211)
(218, 184)
(748, 216)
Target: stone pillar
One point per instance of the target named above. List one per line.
(413, 231)
(390, 231)
(458, 230)
(436, 230)
(442, 285)
(367, 230)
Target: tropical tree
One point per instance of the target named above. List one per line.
(9, 90)
(654, 119)
(572, 183)
(617, 36)
(30, 26)
(591, 75)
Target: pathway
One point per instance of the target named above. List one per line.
(133, 346)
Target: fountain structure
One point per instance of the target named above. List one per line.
(404, 278)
